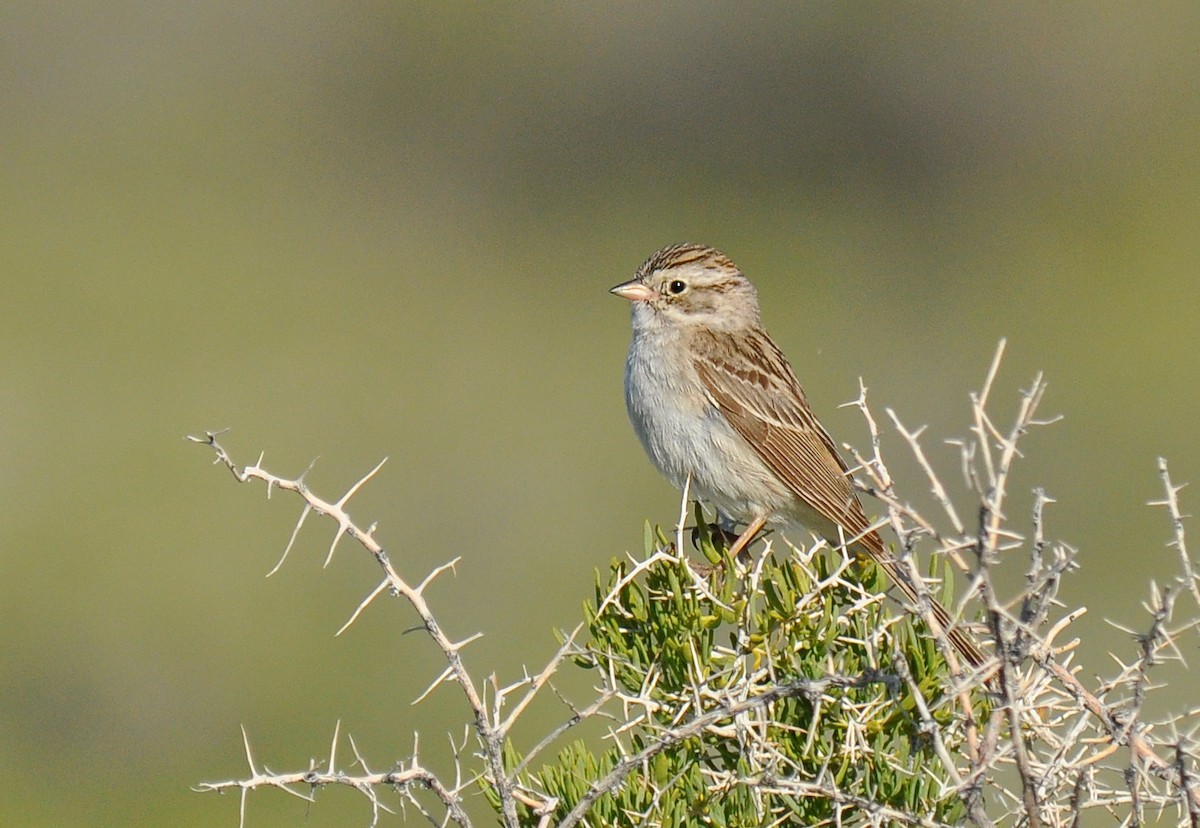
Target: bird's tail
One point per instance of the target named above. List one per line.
(872, 545)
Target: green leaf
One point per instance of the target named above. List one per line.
(660, 625)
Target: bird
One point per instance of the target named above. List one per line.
(719, 411)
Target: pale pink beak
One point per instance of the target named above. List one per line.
(634, 291)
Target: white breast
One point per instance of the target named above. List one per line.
(685, 434)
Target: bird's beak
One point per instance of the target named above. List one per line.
(633, 290)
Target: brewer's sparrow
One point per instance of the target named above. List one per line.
(715, 401)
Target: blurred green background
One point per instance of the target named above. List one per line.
(356, 230)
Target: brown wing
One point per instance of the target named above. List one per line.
(752, 384)
(750, 381)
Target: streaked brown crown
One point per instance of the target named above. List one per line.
(698, 285)
(678, 255)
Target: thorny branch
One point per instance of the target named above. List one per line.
(1055, 733)
(1029, 694)
(491, 729)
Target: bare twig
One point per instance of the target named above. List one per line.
(1037, 746)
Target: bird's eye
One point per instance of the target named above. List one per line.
(677, 286)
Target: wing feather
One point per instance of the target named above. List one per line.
(751, 383)
(754, 387)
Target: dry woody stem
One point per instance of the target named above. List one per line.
(1027, 739)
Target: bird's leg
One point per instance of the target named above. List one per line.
(723, 528)
(750, 532)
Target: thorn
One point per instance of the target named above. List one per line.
(362, 763)
(350, 493)
(304, 474)
(249, 755)
(363, 605)
(459, 645)
(295, 531)
(436, 572)
(445, 675)
(343, 524)
(337, 729)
